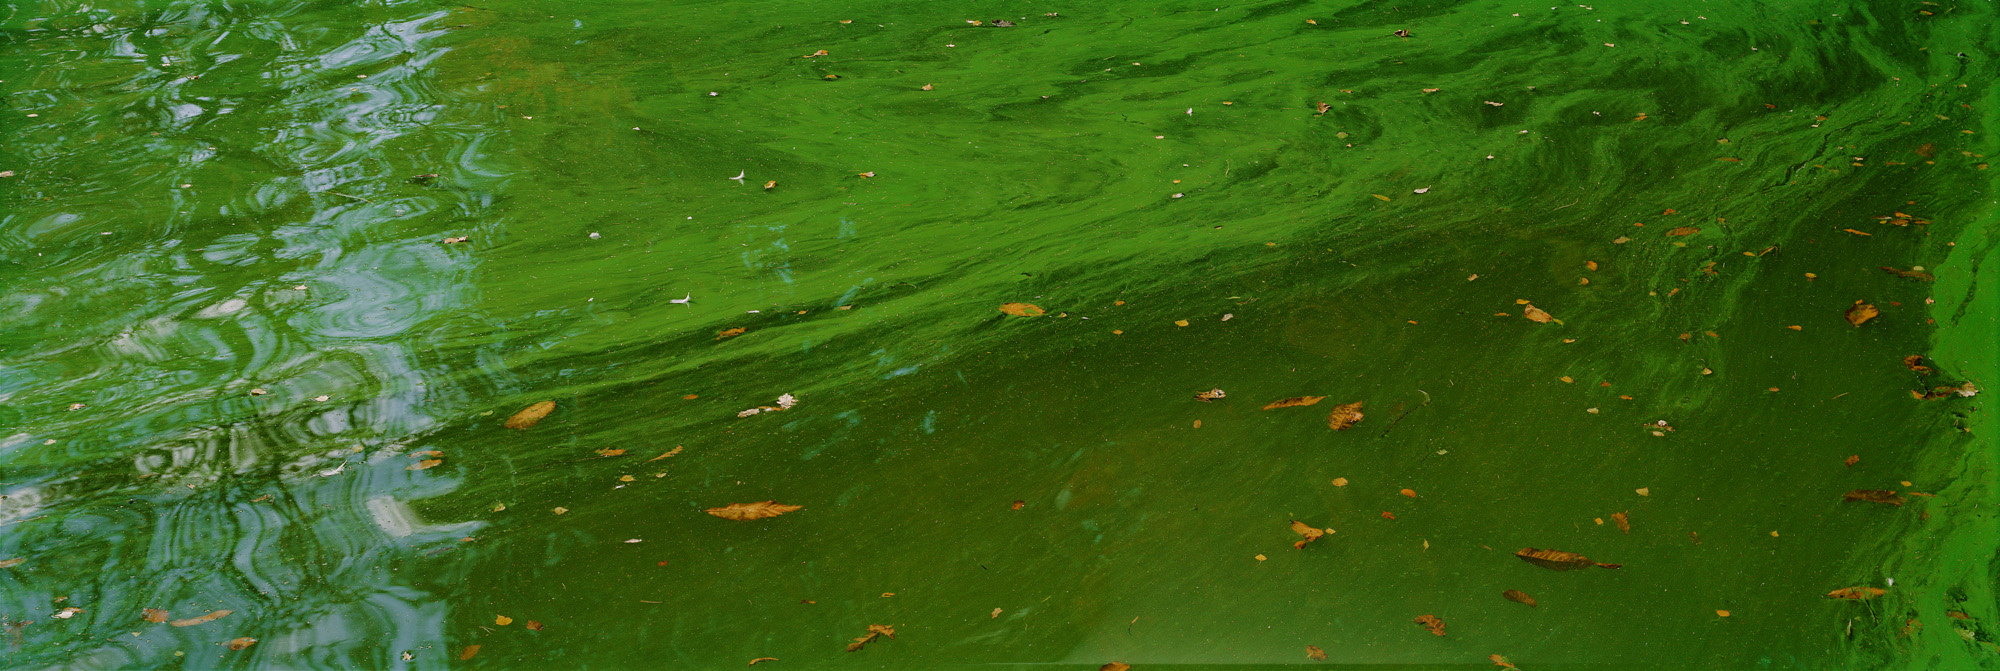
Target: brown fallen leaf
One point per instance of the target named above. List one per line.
(1431, 622)
(1917, 273)
(730, 333)
(155, 615)
(1854, 459)
(1683, 230)
(245, 642)
(1388, 515)
(669, 453)
(468, 652)
(1860, 233)
(1344, 416)
(1321, 107)
(874, 631)
(1915, 362)
(1409, 493)
(1500, 661)
(1315, 654)
(1293, 402)
(1340, 482)
(528, 416)
(1557, 560)
(1520, 597)
(773, 659)
(752, 511)
(1022, 309)
(534, 626)
(192, 621)
(1536, 314)
(610, 452)
(1861, 313)
(1115, 666)
(1311, 534)
(1873, 496)
(1018, 504)
(1856, 593)
(1624, 523)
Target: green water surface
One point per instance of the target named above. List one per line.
(235, 323)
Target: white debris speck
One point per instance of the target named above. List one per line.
(787, 401)
(634, 540)
(322, 398)
(1227, 317)
(749, 412)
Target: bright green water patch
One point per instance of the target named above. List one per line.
(234, 332)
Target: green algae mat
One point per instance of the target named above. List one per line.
(1399, 334)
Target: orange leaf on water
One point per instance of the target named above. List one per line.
(533, 625)
(1293, 402)
(1431, 622)
(245, 642)
(1119, 666)
(1856, 593)
(1022, 309)
(1311, 534)
(1624, 523)
(1557, 560)
(1500, 661)
(752, 511)
(1854, 459)
(1861, 313)
(528, 416)
(1873, 496)
(155, 615)
(200, 619)
(730, 333)
(1344, 416)
(1315, 654)
(1683, 230)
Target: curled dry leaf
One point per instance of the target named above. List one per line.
(155, 615)
(1311, 534)
(1520, 597)
(1293, 402)
(1315, 654)
(1624, 523)
(874, 631)
(1856, 593)
(1344, 416)
(245, 642)
(1431, 622)
(1861, 313)
(1022, 309)
(1557, 560)
(1915, 362)
(752, 511)
(1210, 395)
(201, 619)
(730, 333)
(1683, 230)
(528, 416)
(1873, 496)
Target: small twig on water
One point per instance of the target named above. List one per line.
(1406, 413)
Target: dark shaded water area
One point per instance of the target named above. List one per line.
(274, 275)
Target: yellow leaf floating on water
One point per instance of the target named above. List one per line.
(201, 619)
(1293, 402)
(502, 620)
(1536, 314)
(528, 416)
(730, 333)
(1022, 309)
(1344, 416)
(753, 511)
(1180, 322)
(468, 652)
(669, 453)
(1861, 313)
(1311, 534)
(1377, 195)
(874, 631)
